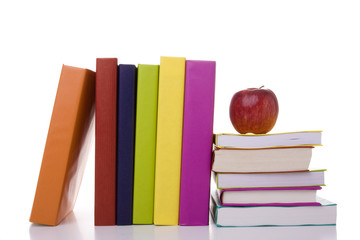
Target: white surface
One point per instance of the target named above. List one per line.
(79, 226)
(306, 51)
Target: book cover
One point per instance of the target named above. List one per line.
(67, 146)
(260, 216)
(145, 143)
(197, 142)
(125, 143)
(105, 141)
(169, 140)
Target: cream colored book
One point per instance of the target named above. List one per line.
(262, 160)
(288, 139)
(268, 180)
(227, 216)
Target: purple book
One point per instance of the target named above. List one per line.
(197, 143)
(294, 196)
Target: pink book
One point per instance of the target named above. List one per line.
(197, 143)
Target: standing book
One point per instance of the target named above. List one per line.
(169, 140)
(105, 141)
(145, 143)
(125, 144)
(67, 146)
(197, 143)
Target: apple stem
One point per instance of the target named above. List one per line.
(261, 87)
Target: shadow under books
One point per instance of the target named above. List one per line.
(72, 228)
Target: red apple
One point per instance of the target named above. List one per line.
(254, 110)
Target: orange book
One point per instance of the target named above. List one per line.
(67, 146)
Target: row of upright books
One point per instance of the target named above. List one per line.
(264, 180)
(153, 143)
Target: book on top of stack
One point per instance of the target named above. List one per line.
(264, 180)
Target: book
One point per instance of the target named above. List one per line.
(126, 110)
(290, 139)
(105, 141)
(197, 143)
(257, 216)
(145, 143)
(262, 160)
(280, 196)
(284, 179)
(169, 140)
(67, 146)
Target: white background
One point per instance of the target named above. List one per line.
(307, 52)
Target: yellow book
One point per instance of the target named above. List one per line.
(169, 140)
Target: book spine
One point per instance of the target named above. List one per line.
(197, 142)
(169, 140)
(145, 143)
(105, 141)
(125, 144)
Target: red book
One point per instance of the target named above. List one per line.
(105, 141)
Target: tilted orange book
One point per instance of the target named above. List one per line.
(67, 145)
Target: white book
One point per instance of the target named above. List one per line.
(262, 160)
(284, 179)
(268, 196)
(305, 138)
(225, 216)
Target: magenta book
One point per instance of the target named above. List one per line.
(197, 143)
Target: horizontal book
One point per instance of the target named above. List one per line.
(262, 160)
(286, 196)
(225, 216)
(290, 139)
(255, 180)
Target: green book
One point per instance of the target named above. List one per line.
(145, 143)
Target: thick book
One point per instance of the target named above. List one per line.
(105, 141)
(262, 160)
(126, 110)
(145, 144)
(197, 143)
(284, 179)
(67, 146)
(290, 139)
(280, 196)
(257, 216)
(169, 140)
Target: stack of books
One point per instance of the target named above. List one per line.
(153, 143)
(264, 180)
